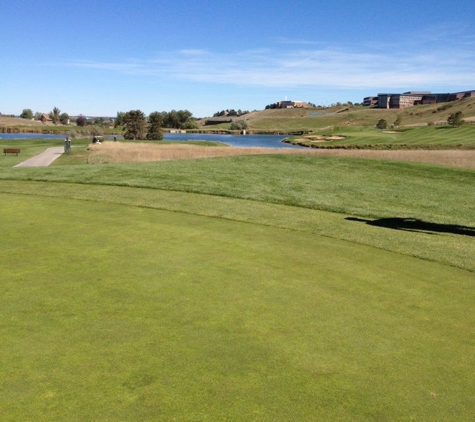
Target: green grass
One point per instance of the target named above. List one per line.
(363, 187)
(237, 289)
(34, 146)
(131, 313)
(429, 137)
(28, 149)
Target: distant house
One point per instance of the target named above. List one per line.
(288, 104)
(46, 118)
(292, 104)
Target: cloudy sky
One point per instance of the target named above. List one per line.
(98, 57)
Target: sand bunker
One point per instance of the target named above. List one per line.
(320, 138)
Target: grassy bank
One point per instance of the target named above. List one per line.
(367, 188)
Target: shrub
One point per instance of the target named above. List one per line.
(96, 131)
(456, 119)
(382, 124)
(64, 118)
(239, 125)
(27, 114)
(81, 120)
(190, 124)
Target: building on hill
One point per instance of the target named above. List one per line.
(293, 104)
(370, 101)
(412, 98)
(461, 95)
(288, 104)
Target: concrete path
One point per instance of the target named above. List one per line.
(44, 159)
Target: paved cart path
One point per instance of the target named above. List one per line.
(44, 159)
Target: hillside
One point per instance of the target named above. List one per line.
(288, 120)
(17, 121)
(313, 119)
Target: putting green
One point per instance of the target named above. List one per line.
(113, 312)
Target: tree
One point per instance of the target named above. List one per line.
(239, 125)
(55, 115)
(81, 120)
(96, 131)
(27, 114)
(183, 117)
(382, 124)
(190, 124)
(155, 122)
(176, 119)
(38, 115)
(135, 125)
(119, 120)
(456, 119)
(398, 121)
(64, 118)
(172, 119)
(101, 121)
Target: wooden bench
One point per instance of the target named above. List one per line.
(11, 151)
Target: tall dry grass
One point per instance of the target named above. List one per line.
(125, 152)
(455, 158)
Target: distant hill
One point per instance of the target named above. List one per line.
(318, 118)
(297, 119)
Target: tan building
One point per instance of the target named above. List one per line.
(292, 104)
(412, 98)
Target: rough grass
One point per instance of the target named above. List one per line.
(442, 243)
(456, 158)
(367, 188)
(123, 152)
(128, 152)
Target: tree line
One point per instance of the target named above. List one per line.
(55, 115)
(136, 125)
(230, 113)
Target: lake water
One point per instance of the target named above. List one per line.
(263, 141)
(29, 136)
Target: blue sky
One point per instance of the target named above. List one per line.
(99, 57)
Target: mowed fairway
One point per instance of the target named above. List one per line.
(123, 313)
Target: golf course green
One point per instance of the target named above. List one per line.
(262, 288)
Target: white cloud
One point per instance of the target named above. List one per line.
(336, 68)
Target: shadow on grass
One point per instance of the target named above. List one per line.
(415, 225)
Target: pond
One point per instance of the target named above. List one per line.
(30, 136)
(263, 141)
